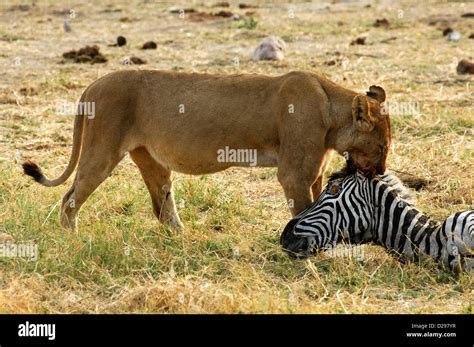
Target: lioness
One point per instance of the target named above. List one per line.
(171, 121)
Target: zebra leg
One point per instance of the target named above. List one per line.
(459, 229)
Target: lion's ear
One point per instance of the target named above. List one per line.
(377, 93)
(361, 114)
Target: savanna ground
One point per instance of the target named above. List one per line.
(228, 259)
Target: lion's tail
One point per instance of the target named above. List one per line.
(32, 169)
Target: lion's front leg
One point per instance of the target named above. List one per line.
(297, 174)
(159, 184)
(317, 186)
(297, 192)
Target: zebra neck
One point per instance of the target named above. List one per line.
(401, 227)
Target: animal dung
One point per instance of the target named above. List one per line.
(182, 10)
(126, 20)
(245, 6)
(381, 23)
(121, 41)
(454, 36)
(137, 60)
(203, 16)
(224, 14)
(465, 67)
(359, 41)
(447, 31)
(88, 54)
(270, 48)
(149, 45)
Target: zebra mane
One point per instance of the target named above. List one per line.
(348, 170)
(398, 187)
(388, 178)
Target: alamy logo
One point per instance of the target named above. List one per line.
(401, 108)
(81, 108)
(37, 330)
(345, 251)
(19, 250)
(230, 155)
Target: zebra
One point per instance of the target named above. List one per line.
(356, 209)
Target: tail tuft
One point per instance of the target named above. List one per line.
(32, 169)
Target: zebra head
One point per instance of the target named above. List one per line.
(341, 212)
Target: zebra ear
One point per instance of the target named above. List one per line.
(361, 114)
(334, 188)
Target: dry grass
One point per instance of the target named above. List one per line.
(228, 259)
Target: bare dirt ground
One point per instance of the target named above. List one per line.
(228, 258)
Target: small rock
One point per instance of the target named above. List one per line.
(471, 36)
(465, 67)
(270, 48)
(67, 27)
(454, 36)
(149, 45)
(468, 15)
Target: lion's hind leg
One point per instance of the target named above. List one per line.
(91, 172)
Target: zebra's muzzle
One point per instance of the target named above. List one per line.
(297, 246)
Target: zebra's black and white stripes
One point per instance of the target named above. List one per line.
(356, 209)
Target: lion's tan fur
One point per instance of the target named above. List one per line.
(171, 121)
